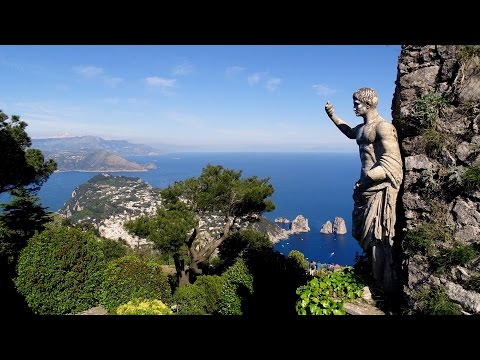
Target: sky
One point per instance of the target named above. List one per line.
(196, 97)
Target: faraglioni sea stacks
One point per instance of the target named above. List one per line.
(338, 226)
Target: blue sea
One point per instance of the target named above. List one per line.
(317, 185)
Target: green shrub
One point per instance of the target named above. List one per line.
(457, 255)
(299, 258)
(237, 289)
(433, 142)
(471, 178)
(421, 238)
(190, 299)
(128, 278)
(428, 108)
(435, 301)
(113, 249)
(60, 271)
(212, 285)
(325, 295)
(144, 307)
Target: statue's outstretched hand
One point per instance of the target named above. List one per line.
(329, 109)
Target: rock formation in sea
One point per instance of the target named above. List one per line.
(299, 225)
(327, 228)
(339, 226)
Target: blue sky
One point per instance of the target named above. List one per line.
(204, 97)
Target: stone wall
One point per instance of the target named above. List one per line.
(436, 110)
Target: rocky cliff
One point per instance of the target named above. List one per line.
(436, 110)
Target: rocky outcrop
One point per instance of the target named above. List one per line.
(327, 228)
(338, 226)
(282, 220)
(299, 225)
(436, 110)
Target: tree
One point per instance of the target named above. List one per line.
(19, 220)
(20, 165)
(22, 172)
(217, 190)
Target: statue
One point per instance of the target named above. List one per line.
(375, 193)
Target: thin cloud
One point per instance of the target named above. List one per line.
(254, 79)
(323, 90)
(183, 69)
(112, 81)
(88, 71)
(232, 71)
(274, 83)
(162, 83)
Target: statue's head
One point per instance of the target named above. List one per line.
(367, 96)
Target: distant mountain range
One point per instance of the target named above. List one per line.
(92, 153)
(81, 143)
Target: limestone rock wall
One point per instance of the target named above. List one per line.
(436, 110)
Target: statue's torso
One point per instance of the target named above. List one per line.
(366, 134)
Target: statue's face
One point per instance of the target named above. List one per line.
(359, 107)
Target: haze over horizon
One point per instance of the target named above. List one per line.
(196, 97)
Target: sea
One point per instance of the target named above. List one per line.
(317, 185)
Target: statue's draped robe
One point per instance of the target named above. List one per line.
(374, 210)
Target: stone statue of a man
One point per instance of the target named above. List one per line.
(375, 193)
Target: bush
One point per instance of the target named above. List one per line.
(237, 289)
(60, 271)
(435, 301)
(299, 258)
(212, 285)
(128, 278)
(421, 238)
(144, 307)
(457, 255)
(325, 295)
(113, 249)
(190, 299)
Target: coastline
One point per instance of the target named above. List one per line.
(99, 171)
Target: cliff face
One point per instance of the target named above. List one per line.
(436, 110)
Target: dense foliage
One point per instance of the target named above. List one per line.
(236, 290)
(113, 249)
(299, 258)
(324, 295)
(129, 278)
(241, 244)
(60, 271)
(144, 307)
(20, 165)
(200, 298)
(19, 220)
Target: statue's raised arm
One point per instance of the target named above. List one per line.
(341, 124)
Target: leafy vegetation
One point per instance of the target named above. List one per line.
(421, 239)
(144, 307)
(435, 301)
(128, 278)
(458, 254)
(236, 290)
(20, 166)
(428, 108)
(299, 258)
(60, 271)
(325, 295)
(113, 249)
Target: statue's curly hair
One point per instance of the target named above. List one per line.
(367, 96)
